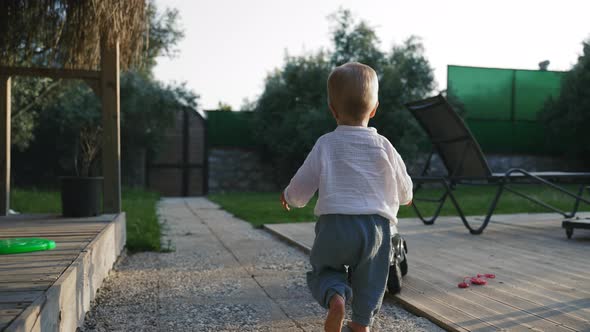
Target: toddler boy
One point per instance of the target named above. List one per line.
(362, 181)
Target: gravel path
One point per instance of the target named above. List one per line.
(223, 275)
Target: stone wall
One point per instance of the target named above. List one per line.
(236, 169)
(500, 163)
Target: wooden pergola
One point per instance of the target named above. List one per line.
(73, 39)
(105, 83)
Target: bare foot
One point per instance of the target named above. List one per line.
(336, 314)
(356, 327)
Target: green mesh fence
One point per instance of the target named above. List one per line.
(230, 129)
(502, 105)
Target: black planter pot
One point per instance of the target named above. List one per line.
(81, 196)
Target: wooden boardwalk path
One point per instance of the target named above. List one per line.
(26, 278)
(542, 278)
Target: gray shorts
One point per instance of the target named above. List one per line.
(362, 242)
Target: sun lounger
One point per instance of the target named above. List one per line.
(466, 165)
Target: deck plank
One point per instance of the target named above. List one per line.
(529, 281)
(512, 283)
(37, 263)
(10, 312)
(4, 320)
(55, 269)
(542, 283)
(25, 277)
(19, 286)
(475, 313)
(498, 258)
(508, 302)
(443, 316)
(18, 297)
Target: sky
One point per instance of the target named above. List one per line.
(230, 46)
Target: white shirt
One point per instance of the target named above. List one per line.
(357, 171)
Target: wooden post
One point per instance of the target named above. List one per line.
(4, 145)
(111, 148)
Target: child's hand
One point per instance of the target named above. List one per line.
(284, 202)
(410, 204)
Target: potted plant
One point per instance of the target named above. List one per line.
(81, 195)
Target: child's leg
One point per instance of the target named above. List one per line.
(328, 279)
(369, 276)
(324, 282)
(329, 254)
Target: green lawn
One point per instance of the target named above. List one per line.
(143, 229)
(264, 208)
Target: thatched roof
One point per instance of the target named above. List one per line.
(67, 33)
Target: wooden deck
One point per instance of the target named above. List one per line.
(542, 278)
(51, 290)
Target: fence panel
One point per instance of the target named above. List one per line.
(230, 129)
(502, 105)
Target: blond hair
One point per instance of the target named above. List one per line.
(353, 89)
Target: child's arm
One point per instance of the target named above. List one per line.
(403, 181)
(305, 182)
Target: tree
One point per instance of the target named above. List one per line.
(31, 95)
(69, 33)
(355, 42)
(292, 111)
(567, 118)
(405, 77)
(56, 133)
(163, 36)
(48, 115)
(147, 109)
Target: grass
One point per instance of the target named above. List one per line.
(264, 208)
(143, 229)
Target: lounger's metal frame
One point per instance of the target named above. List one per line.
(502, 181)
